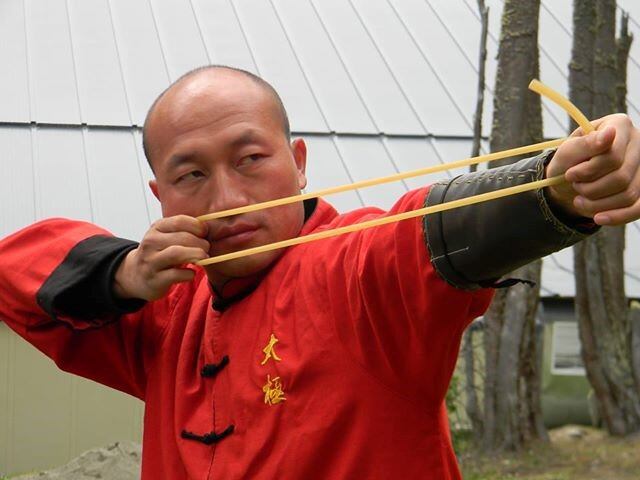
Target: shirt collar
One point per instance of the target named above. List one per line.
(316, 213)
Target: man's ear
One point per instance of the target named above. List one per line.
(153, 185)
(299, 149)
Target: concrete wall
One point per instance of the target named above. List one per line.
(48, 417)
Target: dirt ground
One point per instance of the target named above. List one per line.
(574, 453)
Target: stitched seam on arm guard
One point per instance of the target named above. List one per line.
(573, 235)
(426, 235)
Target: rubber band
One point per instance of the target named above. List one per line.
(535, 85)
(381, 180)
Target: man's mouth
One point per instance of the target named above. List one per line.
(234, 235)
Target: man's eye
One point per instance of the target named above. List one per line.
(249, 159)
(191, 176)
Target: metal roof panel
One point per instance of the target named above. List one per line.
(277, 63)
(223, 36)
(14, 83)
(326, 168)
(103, 100)
(367, 158)
(339, 99)
(115, 182)
(143, 64)
(17, 198)
(368, 68)
(51, 63)
(60, 173)
(180, 36)
(411, 65)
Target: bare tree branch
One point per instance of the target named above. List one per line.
(482, 61)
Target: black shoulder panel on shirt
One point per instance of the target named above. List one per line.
(82, 285)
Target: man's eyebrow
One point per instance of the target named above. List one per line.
(245, 138)
(176, 160)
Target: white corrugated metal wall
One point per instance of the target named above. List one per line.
(375, 86)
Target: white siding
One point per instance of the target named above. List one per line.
(14, 83)
(101, 89)
(51, 65)
(335, 91)
(278, 64)
(17, 196)
(143, 62)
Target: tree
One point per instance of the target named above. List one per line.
(608, 326)
(512, 412)
(472, 406)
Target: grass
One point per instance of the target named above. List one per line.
(594, 456)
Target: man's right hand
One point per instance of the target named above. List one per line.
(148, 271)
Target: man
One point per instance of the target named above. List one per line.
(329, 360)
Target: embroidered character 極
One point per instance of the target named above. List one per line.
(273, 392)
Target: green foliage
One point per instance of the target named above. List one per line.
(594, 456)
(455, 410)
(453, 396)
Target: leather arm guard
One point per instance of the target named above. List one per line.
(472, 247)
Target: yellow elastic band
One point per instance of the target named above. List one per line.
(378, 181)
(535, 85)
(541, 89)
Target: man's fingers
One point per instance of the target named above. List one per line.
(589, 208)
(176, 255)
(615, 137)
(181, 223)
(619, 216)
(149, 270)
(626, 177)
(584, 152)
(183, 239)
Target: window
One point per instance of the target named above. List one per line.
(565, 350)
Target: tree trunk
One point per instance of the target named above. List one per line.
(604, 320)
(482, 62)
(472, 403)
(512, 413)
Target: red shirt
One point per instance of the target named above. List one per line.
(338, 361)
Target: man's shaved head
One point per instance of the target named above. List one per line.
(215, 71)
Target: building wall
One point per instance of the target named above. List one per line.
(48, 417)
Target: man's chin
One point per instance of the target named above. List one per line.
(241, 267)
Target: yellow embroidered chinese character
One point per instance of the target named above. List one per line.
(273, 391)
(269, 351)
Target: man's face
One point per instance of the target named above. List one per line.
(216, 142)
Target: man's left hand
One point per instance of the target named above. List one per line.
(602, 170)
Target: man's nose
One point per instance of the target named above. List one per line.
(226, 192)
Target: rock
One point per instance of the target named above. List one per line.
(572, 433)
(120, 461)
(576, 432)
